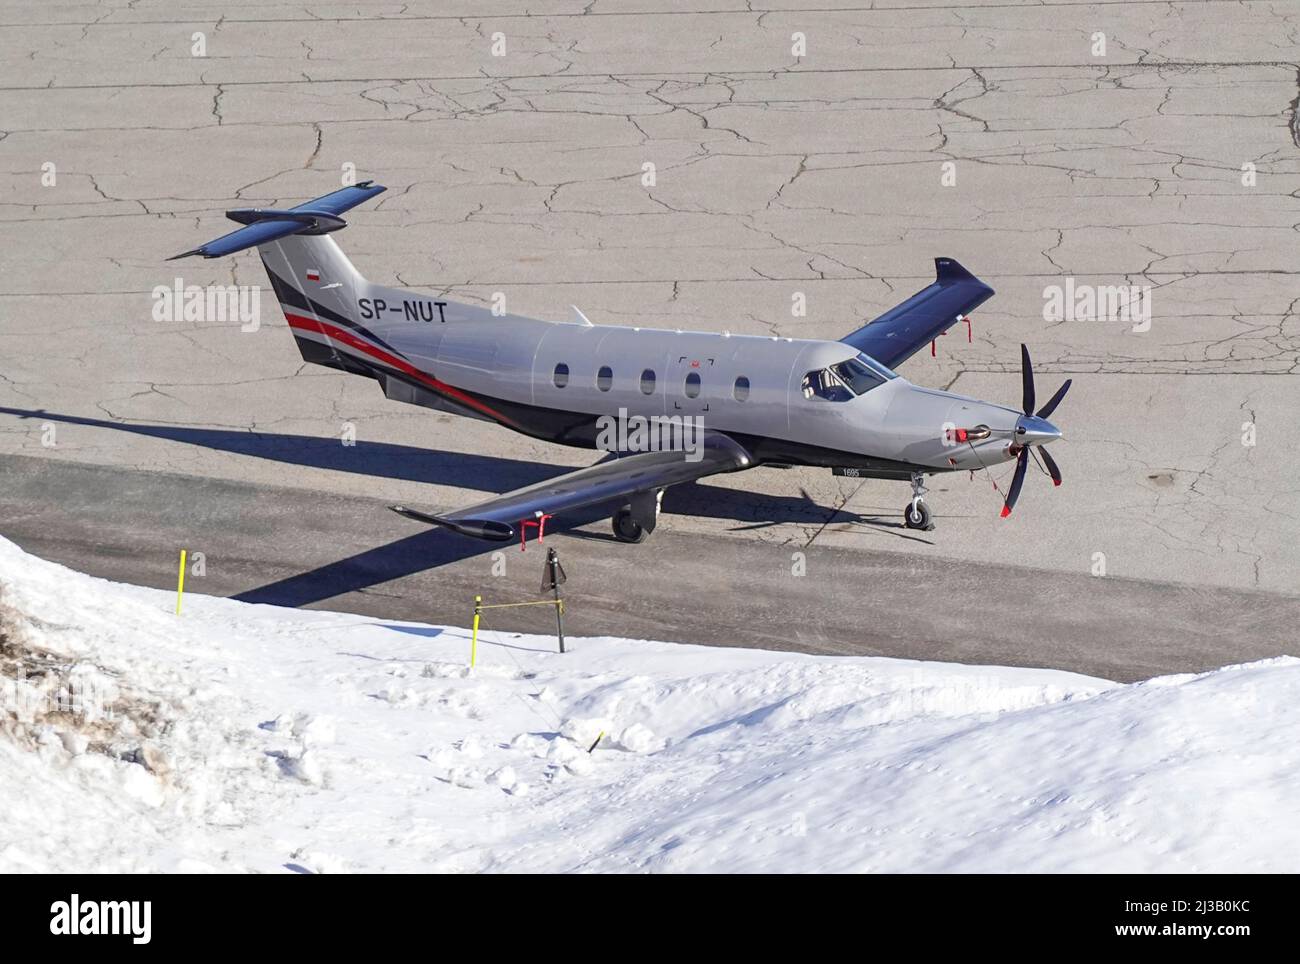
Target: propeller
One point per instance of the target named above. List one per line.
(1033, 429)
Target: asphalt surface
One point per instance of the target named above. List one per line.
(776, 176)
(286, 546)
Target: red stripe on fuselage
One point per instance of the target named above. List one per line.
(393, 361)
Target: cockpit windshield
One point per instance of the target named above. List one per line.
(847, 379)
(857, 376)
(875, 366)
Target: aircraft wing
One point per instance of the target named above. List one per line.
(620, 478)
(905, 329)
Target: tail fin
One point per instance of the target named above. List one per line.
(315, 283)
(262, 226)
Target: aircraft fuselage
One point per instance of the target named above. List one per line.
(556, 380)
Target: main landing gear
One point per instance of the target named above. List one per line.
(917, 514)
(635, 521)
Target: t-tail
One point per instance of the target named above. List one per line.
(338, 318)
(315, 283)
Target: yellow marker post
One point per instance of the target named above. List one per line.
(473, 639)
(180, 583)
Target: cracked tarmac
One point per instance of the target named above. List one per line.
(774, 175)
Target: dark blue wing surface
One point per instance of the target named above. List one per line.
(904, 329)
(612, 480)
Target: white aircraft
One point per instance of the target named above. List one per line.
(724, 402)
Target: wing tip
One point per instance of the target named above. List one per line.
(488, 530)
(950, 269)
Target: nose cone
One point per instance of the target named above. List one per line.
(1032, 430)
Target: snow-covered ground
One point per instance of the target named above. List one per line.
(239, 737)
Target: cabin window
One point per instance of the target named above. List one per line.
(561, 375)
(648, 382)
(605, 378)
(692, 387)
(740, 391)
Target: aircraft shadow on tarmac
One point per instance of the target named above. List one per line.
(433, 548)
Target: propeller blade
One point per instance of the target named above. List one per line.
(1027, 378)
(1017, 480)
(1055, 400)
(1052, 468)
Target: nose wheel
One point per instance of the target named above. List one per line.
(916, 515)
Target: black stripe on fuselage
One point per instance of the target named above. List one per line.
(287, 294)
(319, 353)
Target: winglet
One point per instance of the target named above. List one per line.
(950, 269)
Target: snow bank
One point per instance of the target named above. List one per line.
(241, 737)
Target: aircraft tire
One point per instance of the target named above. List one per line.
(917, 516)
(627, 529)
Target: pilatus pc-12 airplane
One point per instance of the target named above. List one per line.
(761, 400)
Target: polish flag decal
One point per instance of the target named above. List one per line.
(313, 274)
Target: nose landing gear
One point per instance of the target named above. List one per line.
(917, 515)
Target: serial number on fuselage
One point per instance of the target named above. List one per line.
(411, 309)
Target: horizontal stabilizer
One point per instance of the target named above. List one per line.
(313, 222)
(262, 226)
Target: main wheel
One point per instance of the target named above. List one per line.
(916, 515)
(627, 529)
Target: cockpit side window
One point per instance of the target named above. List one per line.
(823, 383)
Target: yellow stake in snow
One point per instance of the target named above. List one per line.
(180, 583)
(473, 639)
